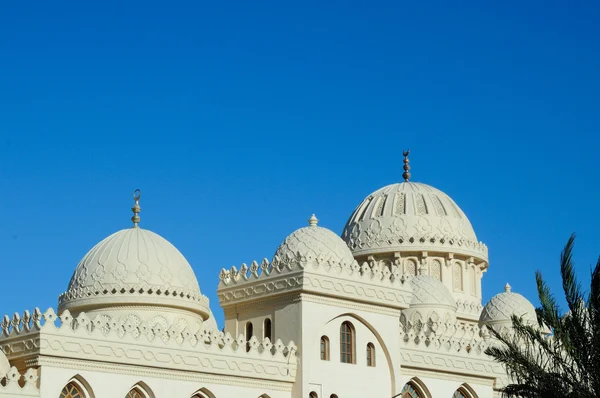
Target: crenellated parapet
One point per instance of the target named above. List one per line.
(443, 335)
(448, 346)
(14, 384)
(371, 282)
(151, 342)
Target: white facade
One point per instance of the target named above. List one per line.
(391, 307)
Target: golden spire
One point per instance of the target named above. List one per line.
(136, 207)
(406, 173)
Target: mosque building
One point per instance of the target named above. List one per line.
(392, 308)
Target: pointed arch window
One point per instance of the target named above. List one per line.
(462, 393)
(347, 343)
(324, 346)
(267, 329)
(140, 390)
(72, 390)
(135, 393)
(370, 354)
(410, 391)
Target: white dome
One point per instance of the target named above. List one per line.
(503, 305)
(134, 267)
(410, 216)
(313, 244)
(430, 292)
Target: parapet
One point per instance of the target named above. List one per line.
(13, 384)
(128, 336)
(371, 282)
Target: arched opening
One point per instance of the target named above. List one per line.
(267, 329)
(324, 348)
(333, 396)
(203, 393)
(249, 334)
(457, 277)
(464, 391)
(140, 390)
(347, 343)
(313, 395)
(72, 390)
(77, 387)
(413, 389)
(370, 354)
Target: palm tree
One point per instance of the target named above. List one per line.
(565, 363)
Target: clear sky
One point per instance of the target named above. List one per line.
(239, 120)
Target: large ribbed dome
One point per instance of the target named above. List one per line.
(313, 244)
(410, 216)
(131, 267)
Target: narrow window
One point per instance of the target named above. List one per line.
(370, 354)
(458, 283)
(249, 333)
(71, 390)
(347, 343)
(267, 328)
(324, 348)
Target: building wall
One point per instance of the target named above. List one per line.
(117, 385)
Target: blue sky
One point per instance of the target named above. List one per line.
(239, 120)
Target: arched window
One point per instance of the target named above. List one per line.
(410, 391)
(347, 343)
(249, 333)
(324, 348)
(135, 393)
(203, 393)
(463, 392)
(72, 390)
(77, 387)
(457, 277)
(459, 394)
(370, 354)
(333, 396)
(313, 395)
(141, 390)
(267, 329)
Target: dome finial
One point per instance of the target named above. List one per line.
(507, 288)
(313, 221)
(137, 194)
(406, 173)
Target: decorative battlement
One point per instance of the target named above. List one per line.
(371, 283)
(13, 384)
(448, 336)
(373, 272)
(153, 331)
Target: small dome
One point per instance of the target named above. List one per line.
(410, 216)
(4, 365)
(130, 267)
(503, 305)
(430, 292)
(313, 244)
